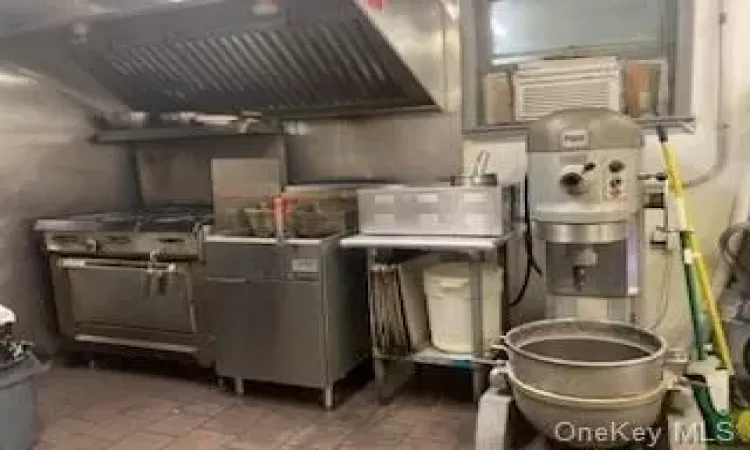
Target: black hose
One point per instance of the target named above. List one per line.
(527, 221)
(531, 263)
(661, 132)
(524, 287)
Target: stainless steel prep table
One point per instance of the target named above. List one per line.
(392, 371)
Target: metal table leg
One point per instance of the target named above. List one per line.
(505, 295)
(239, 386)
(328, 399)
(378, 365)
(477, 323)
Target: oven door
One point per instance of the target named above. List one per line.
(130, 294)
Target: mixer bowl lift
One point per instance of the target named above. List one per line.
(586, 384)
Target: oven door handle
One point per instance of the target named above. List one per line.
(226, 280)
(77, 263)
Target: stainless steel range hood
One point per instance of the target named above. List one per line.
(291, 58)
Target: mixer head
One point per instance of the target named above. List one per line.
(585, 204)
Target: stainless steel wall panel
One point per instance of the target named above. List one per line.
(410, 147)
(47, 168)
(179, 172)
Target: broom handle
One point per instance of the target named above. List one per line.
(689, 270)
(709, 301)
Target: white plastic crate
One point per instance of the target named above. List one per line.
(544, 87)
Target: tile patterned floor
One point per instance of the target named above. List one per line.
(88, 409)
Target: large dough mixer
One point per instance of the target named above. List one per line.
(588, 377)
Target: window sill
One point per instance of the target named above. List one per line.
(683, 124)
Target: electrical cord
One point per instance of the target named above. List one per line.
(527, 222)
(731, 250)
(531, 263)
(665, 286)
(525, 287)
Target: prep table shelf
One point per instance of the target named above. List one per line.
(434, 357)
(391, 371)
(429, 243)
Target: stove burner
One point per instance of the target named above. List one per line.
(171, 219)
(174, 220)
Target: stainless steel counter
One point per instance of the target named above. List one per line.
(391, 370)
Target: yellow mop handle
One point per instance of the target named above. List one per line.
(709, 302)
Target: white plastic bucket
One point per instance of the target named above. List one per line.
(449, 305)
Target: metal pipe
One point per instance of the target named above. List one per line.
(740, 214)
(722, 118)
(477, 320)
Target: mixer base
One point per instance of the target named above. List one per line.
(500, 426)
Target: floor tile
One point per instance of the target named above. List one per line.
(143, 441)
(201, 440)
(271, 432)
(235, 420)
(373, 440)
(74, 426)
(319, 437)
(208, 408)
(428, 444)
(437, 429)
(177, 424)
(67, 440)
(152, 409)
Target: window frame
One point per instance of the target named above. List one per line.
(477, 61)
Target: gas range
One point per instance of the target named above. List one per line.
(130, 280)
(164, 233)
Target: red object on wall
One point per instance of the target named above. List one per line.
(376, 4)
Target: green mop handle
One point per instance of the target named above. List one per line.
(689, 270)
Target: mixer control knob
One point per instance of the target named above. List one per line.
(574, 183)
(571, 180)
(616, 166)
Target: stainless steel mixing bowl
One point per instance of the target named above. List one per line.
(588, 422)
(586, 359)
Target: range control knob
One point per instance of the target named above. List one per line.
(92, 245)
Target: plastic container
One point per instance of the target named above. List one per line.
(449, 305)
(19, 422)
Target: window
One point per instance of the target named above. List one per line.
(543, 27)
(523, 58)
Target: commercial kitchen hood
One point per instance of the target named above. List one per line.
(288, 58)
